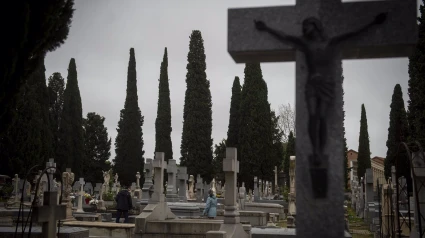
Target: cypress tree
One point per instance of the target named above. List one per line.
(56, 88)
(71, 140)
(345, 155)
(33, 28)
(97, 147)
(163, 119)
(233, 131)
(363, 158)
(397, 133)
(27, 142)
(416, 90)
(196, 144)
(129, 141)
(254, 127)
(277, 151)
(290, 151)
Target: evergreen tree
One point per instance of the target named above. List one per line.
(163, 119)
(56, 90)
(254, 128)
(71, 140)
(97, 147)
(27, 142)
(290, 151)
(129, 141)
(363, 158)
(416, 104)
(397, 133)
(196, 144)
(33, 28)
(233, 131)
(219, 155)
(347, 169)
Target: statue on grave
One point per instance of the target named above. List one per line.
(191, 187)
(319, 52)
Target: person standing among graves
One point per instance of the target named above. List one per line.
(124, 203)
(211, 206)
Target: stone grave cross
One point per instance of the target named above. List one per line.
(158, 165)
(50, 172)
(49, 213)
(231, 169)
(182, 177)
(171, 174)
(148, 180)
(311, 33)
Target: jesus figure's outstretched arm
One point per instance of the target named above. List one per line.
(296, 41)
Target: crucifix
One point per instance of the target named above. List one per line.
(318, 34)
(49, 214)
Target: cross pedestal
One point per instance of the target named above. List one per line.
(49, 213)
(279, 37)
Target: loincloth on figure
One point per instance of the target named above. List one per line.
(320, 87)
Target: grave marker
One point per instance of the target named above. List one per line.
(182, 177)
(80, 198)
(49, 213)
(148, 181)
(319, 155)
(171, 187)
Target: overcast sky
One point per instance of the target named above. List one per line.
(102, 33)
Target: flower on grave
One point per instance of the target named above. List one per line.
(86, 195)
(94, 202)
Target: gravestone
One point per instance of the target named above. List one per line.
(319, 155)
(16, 191)
(182, 177)
(157, 208)
(172, 188)
(81, 195)
(148, 169)
(231, 224)
(97, 188)
(260, 188)
(418, 162)
(49, 214)
(276, 187)
(88, 188)
(76, 187)
(199, 188)
(256, 192)
(138, 191)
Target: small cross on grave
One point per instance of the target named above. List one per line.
(158, 165)
(50, 172)
(318, 34)
(49, 213)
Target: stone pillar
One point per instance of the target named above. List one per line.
(276, 187)
(148, 181)
(260, 188)
(80, 198)
(369, 204)
(292, 192)
(256, 192)
(182, 177)
(138, 191)
(387, 211)
(199, 188)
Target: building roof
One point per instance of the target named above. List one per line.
(378, 159)
(350, 150)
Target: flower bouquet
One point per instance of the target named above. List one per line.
(87, 198)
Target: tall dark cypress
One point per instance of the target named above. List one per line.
(56, 88)
(70, 150)
(129, 141)
(196, 144)
(163, 118)
(397, 133)
(235, 103)
(416, 104)
(345, 155)
(363, 158)
(28, 142)
(254, 127)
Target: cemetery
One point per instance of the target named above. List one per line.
(257, 183)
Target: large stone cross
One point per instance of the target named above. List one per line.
(231, 169)
(158, 165)
(326, 31)
(171, 175)
(49, 213)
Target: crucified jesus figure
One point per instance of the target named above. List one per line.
(319, 53)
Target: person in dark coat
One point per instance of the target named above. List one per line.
(124, 203)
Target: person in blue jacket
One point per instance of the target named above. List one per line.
(211, 206)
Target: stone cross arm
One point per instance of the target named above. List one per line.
(49, 213)
(395, 38)
(230, 163)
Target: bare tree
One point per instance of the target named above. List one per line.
(286, 120)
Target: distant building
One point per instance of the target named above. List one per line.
(378, 170)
